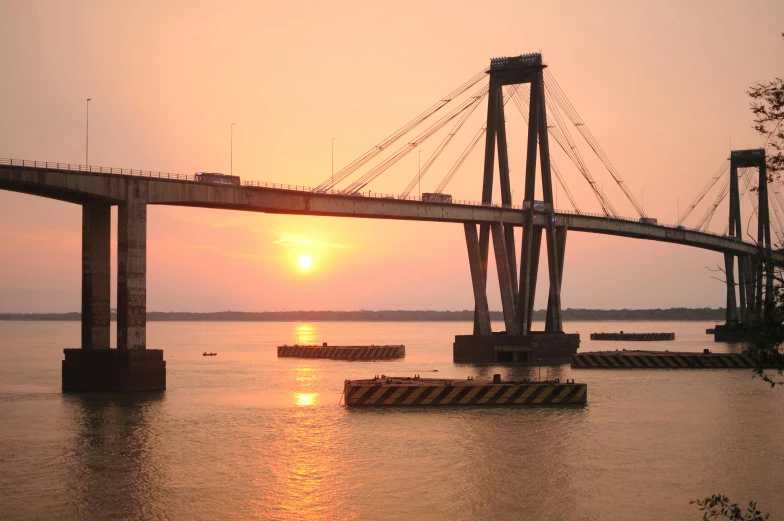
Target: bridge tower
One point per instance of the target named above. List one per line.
(754, 282)
(517, 343)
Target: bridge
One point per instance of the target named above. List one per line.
(133, 367)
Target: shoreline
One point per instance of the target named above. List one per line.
(582, 315)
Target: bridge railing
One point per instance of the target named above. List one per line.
(95, 169)
(369, 194)
(633, 220)
(301, 188)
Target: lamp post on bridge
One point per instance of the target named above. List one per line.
(231, 153)
(87, 136)
(333, 164)
(419, 175)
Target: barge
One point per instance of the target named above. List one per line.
(634, 337)
(405, 391)
(661, 360)
(371, 352)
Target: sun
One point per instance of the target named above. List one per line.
(305, 262)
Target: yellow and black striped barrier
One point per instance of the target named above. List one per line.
(383, 391)
(660, 360)
(343, 352)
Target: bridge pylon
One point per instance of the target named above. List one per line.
(754, 281)
(517, 293)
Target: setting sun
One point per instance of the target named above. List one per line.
(305, 262)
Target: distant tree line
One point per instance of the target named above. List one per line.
(393, 315)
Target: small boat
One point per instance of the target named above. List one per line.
(209, 354)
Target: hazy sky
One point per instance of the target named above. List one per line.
(660, 84)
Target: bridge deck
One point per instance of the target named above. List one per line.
(63, 183)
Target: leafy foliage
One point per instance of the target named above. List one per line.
(768, 107)
(718, 506)
(768, 351)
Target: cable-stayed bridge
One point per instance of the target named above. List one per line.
(525, 81)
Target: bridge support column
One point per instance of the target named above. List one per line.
(478, 279)
(504, 278)
(529, 273)
(732, 305)
(746, 289)
(96, 278)
(549, 325)
(132, 275)
(130, 367)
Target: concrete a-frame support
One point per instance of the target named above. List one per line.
(518, 343)
(754, 283)
(96, 277)
(132, 274)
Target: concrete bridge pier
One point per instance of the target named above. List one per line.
(96, 279)
(517, 344)
(130, 367)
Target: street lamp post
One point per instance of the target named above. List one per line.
(87, 136)
(333, 164)
(419, 175)
(231, 153)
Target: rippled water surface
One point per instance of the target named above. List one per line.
(245, 435)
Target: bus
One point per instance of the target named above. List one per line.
(436, 198)
(218, 179)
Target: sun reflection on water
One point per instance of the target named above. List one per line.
(305, 399)
(306, 334)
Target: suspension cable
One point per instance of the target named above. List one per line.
(560, 135)
(702, 225)
(470, 148)
(346, 171)
(460, 160)
(722, 171)
(775, 203)
(437, 152)
(561, 182)
(372, 174)
(556, 92)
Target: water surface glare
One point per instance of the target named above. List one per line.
(245, 435)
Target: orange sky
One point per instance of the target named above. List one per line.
(660, 84)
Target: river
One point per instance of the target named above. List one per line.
(245, 435)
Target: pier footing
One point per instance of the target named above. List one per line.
(533, 348)
(127, 370)
(735, 333)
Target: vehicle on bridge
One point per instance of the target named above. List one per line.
(649, 220)
(539, 206)
(428, 197)
(218, 179)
